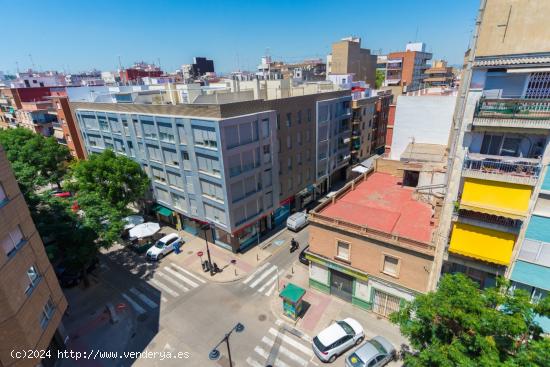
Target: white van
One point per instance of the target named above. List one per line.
(296, 221)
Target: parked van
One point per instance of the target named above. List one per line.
(296, 221)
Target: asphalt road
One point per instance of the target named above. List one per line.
(180, 312)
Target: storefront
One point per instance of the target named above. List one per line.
(283, 211)
(165, 215)
(356, 287)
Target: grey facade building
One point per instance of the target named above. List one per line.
(241, 166)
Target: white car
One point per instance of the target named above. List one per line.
(337, 338)
(164, 246)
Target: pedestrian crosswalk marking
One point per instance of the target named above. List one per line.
(172, 281)
(264, 275)
(163, 287)
(260, 269)
(251, 362)
(271, 289)
(270, 281)
(281, 349)
(305, 337)
(140, 310)
(265, 354)
(291, 341)
(148, 301)
(188, 273)
(178, 275)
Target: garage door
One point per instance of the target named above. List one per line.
(384, 304)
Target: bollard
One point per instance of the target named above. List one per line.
(235, 271)
(292, 269)
(257, 257)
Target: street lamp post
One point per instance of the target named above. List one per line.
(205, 227)
(215, 353)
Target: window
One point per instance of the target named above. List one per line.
(300, 116)
(500, 145)
(288, 142)
(34, 277)
(208, 165)
(149, 130)
(212, 190)
(391, 265)
(163, 195)
(179, 202)
(158, 175)
(103, 124)
(182, 134)
(309, 115)
(12, 241)
(205, 138)
(47, 313)
(299, 159)
(213, 213)
(289, 119)
(308, 136)
(170, 157)
(265, 128)
(289, 163)
(299, 138)
(175, 180)
(186, 161)
(166, 133)
(342, 250)
(154, 153)
(278, 122)
(3, 196)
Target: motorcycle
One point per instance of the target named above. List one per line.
(294, 245)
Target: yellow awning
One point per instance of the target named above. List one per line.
(494, 197)
(482, 243)
(476, 207)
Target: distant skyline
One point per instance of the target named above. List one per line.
(75, 36)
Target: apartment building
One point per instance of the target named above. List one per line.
(65, 127)
(373, 243)
(244, 166)
(405, 70)
(498, 195)
(12, 100)
(348, 57)
(31, 301)
(439, 75)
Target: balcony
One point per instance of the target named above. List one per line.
(516, 113)
(516, 170)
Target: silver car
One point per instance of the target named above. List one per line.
(337, 338)
(376, 352)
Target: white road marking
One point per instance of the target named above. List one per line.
(178, 275)
(261, 268)
(188, 273)
(253, 363)
(304, 337)
(160, 285)
(173, 281)
(293, 356)
(270, 290)
(263, 276)
(148, 301)
(265, 354)
(291, 341)
(140, 310)
(270, 281)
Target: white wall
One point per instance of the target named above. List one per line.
(427, 119)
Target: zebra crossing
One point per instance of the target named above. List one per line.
(172, 281)
(281, 349)
(264, 279)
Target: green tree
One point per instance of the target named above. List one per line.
(116, 179)
(36, 160)
(380, 77)
(461, 325)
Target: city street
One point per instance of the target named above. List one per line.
(164, 307)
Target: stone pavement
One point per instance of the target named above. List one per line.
(324, 309)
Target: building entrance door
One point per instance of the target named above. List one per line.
(341, 285)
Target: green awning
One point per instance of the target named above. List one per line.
(163, 210)
(292, 292)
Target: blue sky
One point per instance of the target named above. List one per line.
(78, 35)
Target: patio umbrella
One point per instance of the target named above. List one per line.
(132, 221)
(144, 230)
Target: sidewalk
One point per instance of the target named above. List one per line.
(324, 309)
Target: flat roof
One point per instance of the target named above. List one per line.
(381, 203)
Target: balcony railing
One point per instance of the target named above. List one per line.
(513, 109)
(492, 165)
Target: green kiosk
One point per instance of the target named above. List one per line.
(292, 300)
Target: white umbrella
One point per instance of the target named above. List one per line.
(132, 221)
(144, 230)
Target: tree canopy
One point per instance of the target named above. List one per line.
(461, 325)
(380, 77)
(36, 160)
(116, 179)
